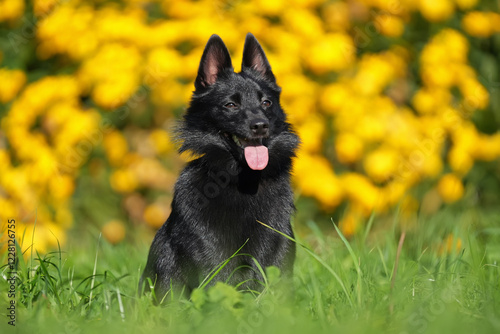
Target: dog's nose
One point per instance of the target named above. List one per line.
(259, 127)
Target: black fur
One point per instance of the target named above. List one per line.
(218, 198)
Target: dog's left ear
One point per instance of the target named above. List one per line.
(254, 58)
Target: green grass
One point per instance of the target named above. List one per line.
(339, 285)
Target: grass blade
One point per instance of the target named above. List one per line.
(95, 270)
(317, 258)
(355, 259)
(216, 271)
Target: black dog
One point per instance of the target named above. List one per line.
(237, 126)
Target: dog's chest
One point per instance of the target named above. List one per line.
(233, 218)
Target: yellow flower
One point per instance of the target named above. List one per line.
(114, 231)
(15, 182)
(451, 245)
(42, 7)
(11, 10)
(163, 62)
(381, 164)
(450, 188)
(39, 95)
(487, 147)
(295, 86)
(160, 140)
(42, 236)
(44, 167)
(4, 160)
(57, 30)
(181, 9)
(456, 45)
(349, 148)
(11, 82)
(8, 210)
(466, 4)
(394, 191)
(81, 128)
(271, 7)
(371, 128)
(447, 46)
(439, 75)
(465, 141)
(374, 73)
(114, 92)
(124, 181)
(434, 53)
(495, 21)
(429, 101)
(155, 215)
(334, 96)
(306, 3)
(432, 165)
(114, 73)
(171, 93)
(437, 10)
(302, 22)
(389, 25)
(460, 160)
(332, 52)
(478, 24)
(57, 116)
(336, 15)
(299, 109)
(150, 172)
(314, 177)
(350, 223)
(475, 95)
(311, 134)
(115, 146)
(362, 192)
(329, 191)
(443, 61)
(61, 187)
(298, 97)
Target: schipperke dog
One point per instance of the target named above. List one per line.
(238, 130)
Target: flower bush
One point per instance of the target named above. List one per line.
(392, 99)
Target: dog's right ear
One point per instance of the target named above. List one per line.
(215, 62)
(255, 59)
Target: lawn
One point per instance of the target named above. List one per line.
(339, 285)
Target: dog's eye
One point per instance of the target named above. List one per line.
(230, 105)
(266, 103)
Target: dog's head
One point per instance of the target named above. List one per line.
(238, 116)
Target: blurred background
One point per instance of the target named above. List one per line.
(397, 104)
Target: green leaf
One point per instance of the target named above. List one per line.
(223, 294)
(273, 274)
(198, 297)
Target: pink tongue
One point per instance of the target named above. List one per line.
(257, 157)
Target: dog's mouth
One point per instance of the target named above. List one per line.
(254, 149)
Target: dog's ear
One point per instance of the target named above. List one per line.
(215, 61)
(254, 58)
